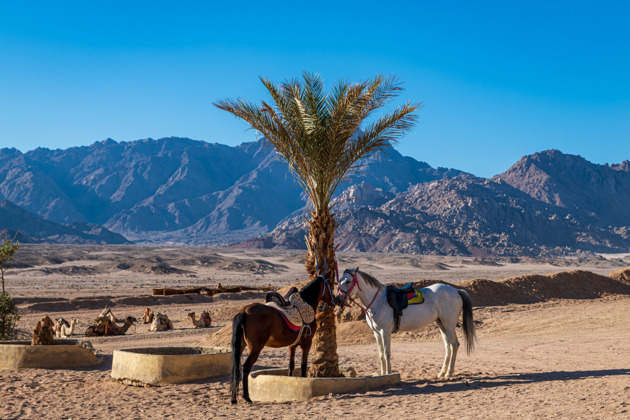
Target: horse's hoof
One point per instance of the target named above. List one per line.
(248, 401)
(233, 402)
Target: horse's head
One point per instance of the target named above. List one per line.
(348, 286)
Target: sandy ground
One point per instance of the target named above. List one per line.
(560, 358)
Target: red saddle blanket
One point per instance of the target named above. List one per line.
(289, 324)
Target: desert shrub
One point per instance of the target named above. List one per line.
(8, 318)
(8, 248)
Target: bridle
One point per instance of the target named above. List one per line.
(345, 297)
(321, 298)
(326, 283)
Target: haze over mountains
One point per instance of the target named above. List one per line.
(182, 191)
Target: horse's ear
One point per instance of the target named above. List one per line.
(356, 270)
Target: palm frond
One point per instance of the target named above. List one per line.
(320, 135)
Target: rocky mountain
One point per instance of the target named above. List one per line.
(177, 190)
(34, 229)
(598, 193)
(183, 191)
(467, 215)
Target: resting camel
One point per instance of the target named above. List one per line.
(204, 320)
(63, 329)
(105, 326)
(43, 332)
(147, 316)
(161, 323)
(118, 330)
(58, 323)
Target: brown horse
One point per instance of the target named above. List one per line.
(259, 325)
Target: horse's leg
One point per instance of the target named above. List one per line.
(454, 344)
(381, 350)
(291, 359)
(451, 344)
(247, 368)
(387, 345)
(306, 347)
(447, 349)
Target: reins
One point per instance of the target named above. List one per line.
(326, 283)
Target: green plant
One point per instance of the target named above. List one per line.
(321, 136)
(7, 252)
(8, 318)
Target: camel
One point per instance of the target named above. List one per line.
(105, 326)
(57, 328)
(204, 320)
(63, 329)
(147, 317)
(161, 323)
(115, 329)
(43, 332)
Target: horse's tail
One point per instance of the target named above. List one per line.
(238, 328)
(469, 325)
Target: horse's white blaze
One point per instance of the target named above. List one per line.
(442, 305)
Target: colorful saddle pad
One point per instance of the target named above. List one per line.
(291, 326)
(291, 315)
(416, 297)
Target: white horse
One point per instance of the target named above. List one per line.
(442, 305)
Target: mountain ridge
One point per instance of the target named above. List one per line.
(26, 227)
(476, 216)
(190, 192)
(175, 189)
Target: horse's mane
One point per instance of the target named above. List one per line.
(310, 292)
(370, 279)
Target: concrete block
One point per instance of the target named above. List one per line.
(63, 354)
(273, 385)
(155, 366)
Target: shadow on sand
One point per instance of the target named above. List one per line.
(467, 383)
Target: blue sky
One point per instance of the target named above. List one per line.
(498, 79)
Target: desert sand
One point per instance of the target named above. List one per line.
(559, 356)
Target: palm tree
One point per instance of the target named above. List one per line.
(320, 136)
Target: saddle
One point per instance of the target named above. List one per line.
(397, 299)
(282, 301)
(296, 311)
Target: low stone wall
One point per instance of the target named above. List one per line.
(63, 354)
(273, 385)
(155, 366)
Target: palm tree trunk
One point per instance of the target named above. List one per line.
(321, 238)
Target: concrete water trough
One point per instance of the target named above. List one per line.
(62, 354)
(155, 366)
(273, 385)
